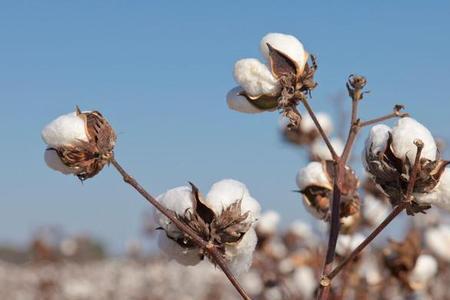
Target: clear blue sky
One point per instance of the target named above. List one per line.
(159, 70)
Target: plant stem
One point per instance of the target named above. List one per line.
(394, 114)
(320, 129)
(211, 249)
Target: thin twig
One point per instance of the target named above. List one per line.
(397, 210)
(394, 114)
(320, 129)
(211, 249)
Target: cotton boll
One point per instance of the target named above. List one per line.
(239, 256)
(370, 270)
(179, 200)
(268, 222)
(374, 210)
(273, 293)
(320, 150)
(347, 243)
(286, 44)
(54, 162)
(305, 282)
(405, 133)
(228, 191)
(240, 103)
(313, 174)
(437, 240)
(425, 269)
(440, 196)
(307, 124)
(65, 130)
(255, 78)
(173, 251)
(301, 229)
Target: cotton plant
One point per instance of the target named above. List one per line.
(225, 218)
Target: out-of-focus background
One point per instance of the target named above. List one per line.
(159, 71)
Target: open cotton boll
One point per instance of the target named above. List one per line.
(440, 196)
(54, 162)
(179, 200)
(405, 133)
(228, 191)
(425, 269)
(268, 222)
(240, 103)
(370, 270)
(301, 229)
(287, 44)
(64, 130)
(313, 174)
(252, 282)
(437, 240)
(307, 124)
(173, 251)
(374, 210)
(255, 78)
(320, 150)
(347, 243)
(305, 282)
(240, 256)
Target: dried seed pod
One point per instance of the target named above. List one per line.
(80, 143)
(400, 257)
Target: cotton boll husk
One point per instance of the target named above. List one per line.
(64, 130)
(320, 150)
(405, 133)
(347, 243)
(239, 256)
(179, 200)
(173, 251)
(426, 268)
(307, 124)
(286, 44)
(437, 240)
(240, 103)
(440, 196)
(255, 78)
(54, 162)
(374, 209)
(228, 191)
(313, 174)
(252, 282)
(305, 282)
(268, 222)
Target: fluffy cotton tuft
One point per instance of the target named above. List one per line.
(228, 191)
(425, 269)
(440, 196)
(287, 44)
(64, 130)
(173, 251)
(179, 200)
(268, 222)
(240, 103)
(255, 78)
(405, 133)
(378, 138)
(320, 150)
(313, 174)
(437, 240)
(252, 282)
(374, 210)
(54, 162)
(305, 282)
(324, 120)
(301, 229)
(347, 243)
(240, 256)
